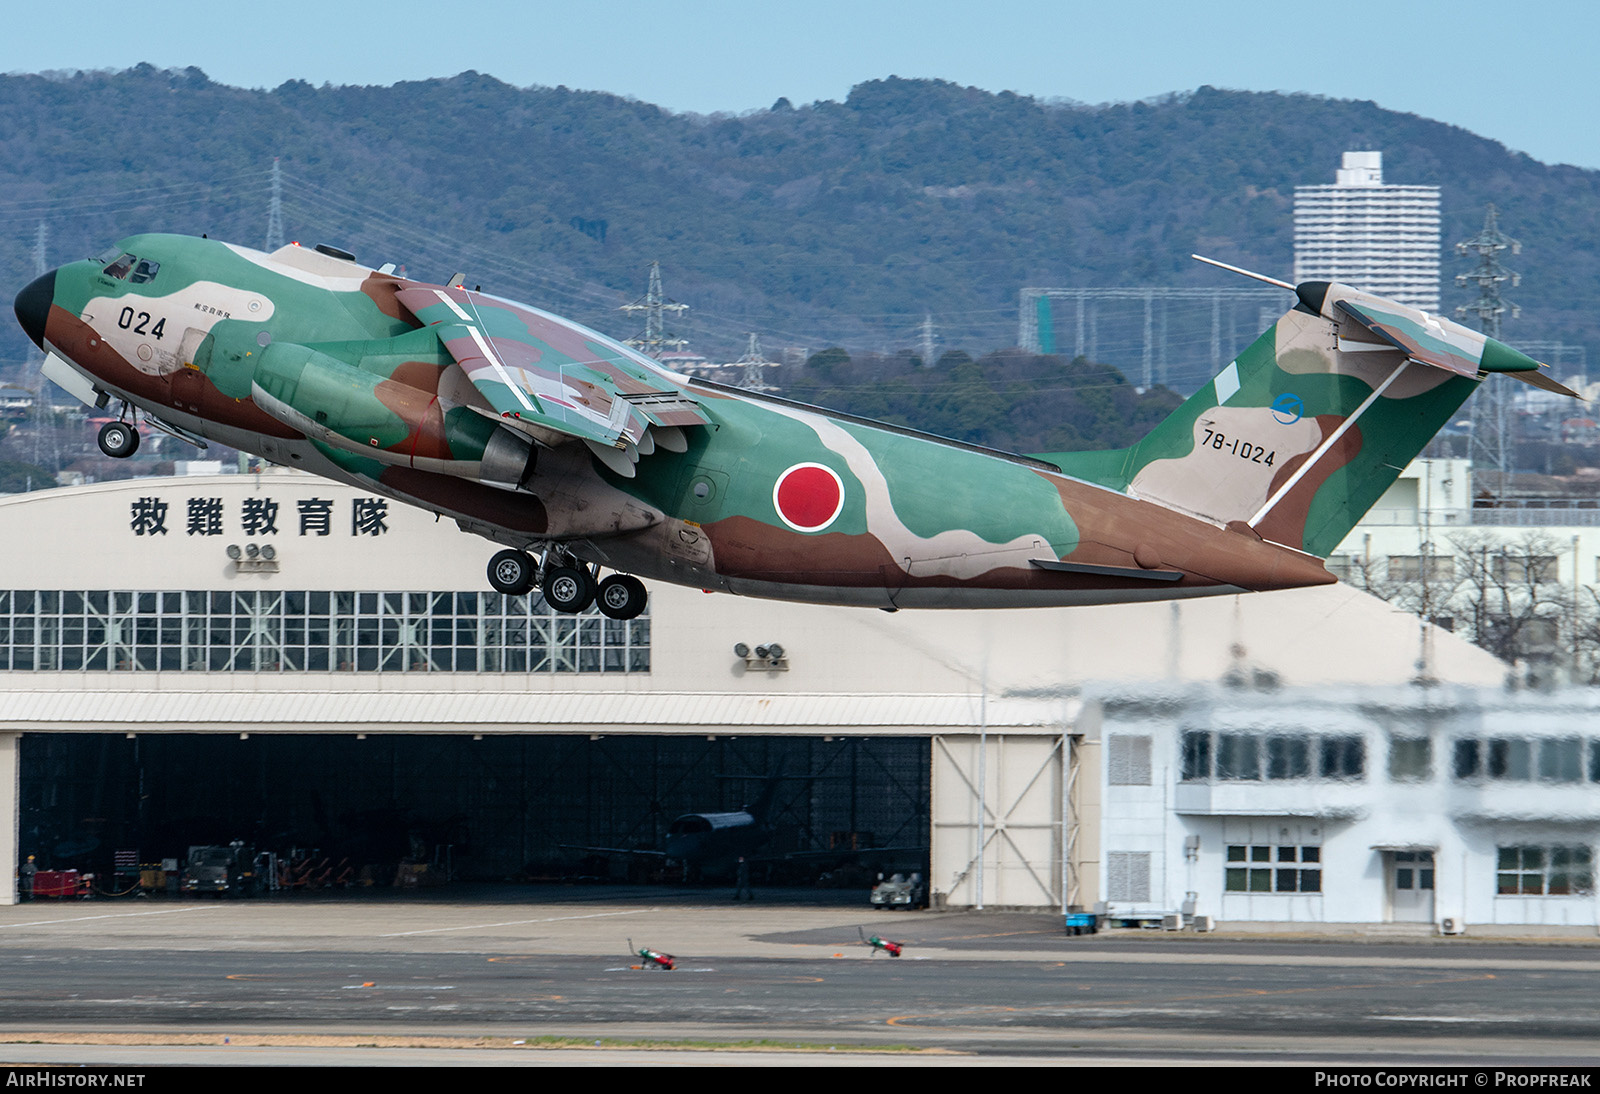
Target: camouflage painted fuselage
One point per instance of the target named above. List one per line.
(530, 430)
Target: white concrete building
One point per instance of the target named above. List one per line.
(1380, 238)
(1427, 535)
(1460, 807)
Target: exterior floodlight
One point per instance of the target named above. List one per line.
(269, 552)
(234, 552)
(741, 650)
(252, 551)
(761, 652)
(775, 652)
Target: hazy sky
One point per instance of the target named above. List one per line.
(1521, 73)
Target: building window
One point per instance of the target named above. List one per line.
(1259, 868)
(1128, 876)
(1518, 759)
(1342, 757)
(1128, 760)
(1288, 758)
(1410, 759)
(1251, 757)
(265, 630)
(1558, 870)
(1410, 568)
(1525, 570)
(1197, 756)
(1560, 760)
(1238, 756)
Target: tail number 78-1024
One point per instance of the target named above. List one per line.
(1245, 450)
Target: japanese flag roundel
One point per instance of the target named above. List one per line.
(808, 497)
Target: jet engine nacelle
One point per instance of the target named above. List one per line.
(347, 407)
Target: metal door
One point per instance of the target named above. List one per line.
(1410, 884)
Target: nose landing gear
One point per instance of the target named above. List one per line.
(119, 439)
(568, 585)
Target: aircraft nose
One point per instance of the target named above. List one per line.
(33, 306)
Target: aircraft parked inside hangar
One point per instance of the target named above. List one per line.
(556, 441)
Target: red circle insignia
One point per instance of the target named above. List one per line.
(808, 497)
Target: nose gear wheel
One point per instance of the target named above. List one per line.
(119, 439)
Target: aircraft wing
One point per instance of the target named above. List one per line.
(556, 380)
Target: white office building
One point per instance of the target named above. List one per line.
(1377, 237)
(1458, 807)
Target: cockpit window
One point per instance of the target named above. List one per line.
(120, 267)
(132, 269)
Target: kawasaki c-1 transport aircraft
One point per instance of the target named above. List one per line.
(580, 455)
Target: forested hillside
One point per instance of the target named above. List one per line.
(829, 223)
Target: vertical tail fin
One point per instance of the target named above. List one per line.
(1302, 432)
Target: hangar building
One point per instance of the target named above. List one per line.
(166, 679)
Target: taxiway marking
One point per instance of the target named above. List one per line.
(109, 915)
(517, 923)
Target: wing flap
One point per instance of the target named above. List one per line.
(550, 376)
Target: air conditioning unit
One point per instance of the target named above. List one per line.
(1204, 923)
(1452, 925)
(1172, 922)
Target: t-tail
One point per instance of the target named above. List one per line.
(1304, 431)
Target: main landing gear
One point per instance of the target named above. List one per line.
(568, 585)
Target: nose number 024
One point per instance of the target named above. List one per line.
(137, 322)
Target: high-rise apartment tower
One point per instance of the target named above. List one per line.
(1384, 239)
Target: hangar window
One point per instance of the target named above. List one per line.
(261, 630)
(1560, 870)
